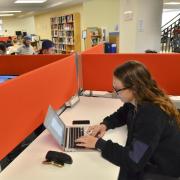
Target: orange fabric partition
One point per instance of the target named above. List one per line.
(20, 64)
(6, 38)
(98, 49)
(25, 99)
(97, 70)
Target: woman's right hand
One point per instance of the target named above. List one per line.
(97, 130)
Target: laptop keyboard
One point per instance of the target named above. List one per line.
(74, 133)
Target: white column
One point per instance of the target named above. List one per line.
(140, 25)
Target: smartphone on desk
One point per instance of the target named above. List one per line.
(80, 122)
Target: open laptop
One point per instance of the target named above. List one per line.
(64, 135)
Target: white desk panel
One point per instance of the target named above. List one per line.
(86, 165)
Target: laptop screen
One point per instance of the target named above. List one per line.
(55, 126)
(58, 128)
(6, 77)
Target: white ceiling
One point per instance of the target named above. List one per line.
(171, 6)
(31, 9)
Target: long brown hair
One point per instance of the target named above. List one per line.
(135, 75)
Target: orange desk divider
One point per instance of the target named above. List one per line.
(19, 64)
(98, 49)
(25, 99)
(97, 70)
(4, 39)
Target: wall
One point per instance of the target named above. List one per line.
(12, 24)
(42, 21)
(101, 13)
(143, 30)
(127, 34)
(149, 36)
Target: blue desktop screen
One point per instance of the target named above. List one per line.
(6, 77)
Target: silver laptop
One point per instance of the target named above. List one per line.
(65, 136)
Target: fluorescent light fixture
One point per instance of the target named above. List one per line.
(172, 3)
(56, 4)
(6, 15)
(30, 1)
(10, 11)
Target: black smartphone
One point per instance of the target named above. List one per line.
(81, 122)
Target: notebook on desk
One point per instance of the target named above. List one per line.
(64, 135)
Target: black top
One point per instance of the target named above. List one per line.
(153, 142)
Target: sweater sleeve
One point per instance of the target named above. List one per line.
(116, 119)
(148, 129)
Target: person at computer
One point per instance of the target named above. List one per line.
(47, 47)
(152, 149)
(26, 48)
(3, 48)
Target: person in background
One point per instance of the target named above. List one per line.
(13, 49)
(152, 150)
(9, 42)
(47, 47)
(26, 48)
(2, 48)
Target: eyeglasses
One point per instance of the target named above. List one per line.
(58, 164)
(118, 90)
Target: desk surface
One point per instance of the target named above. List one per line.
(86, 165)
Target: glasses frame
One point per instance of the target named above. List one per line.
(53, 163)
(119, 90)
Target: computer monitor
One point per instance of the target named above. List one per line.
(18, 33)
(4, 78)
(24, 34)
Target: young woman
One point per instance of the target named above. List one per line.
(152, 150)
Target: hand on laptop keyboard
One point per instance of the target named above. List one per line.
(86, 141)
(97, 130)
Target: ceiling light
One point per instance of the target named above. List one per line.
(6, 15)
(30, 1)
(10, 11)
(172, 3)
(56, 4)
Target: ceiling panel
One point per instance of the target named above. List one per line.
(7, 5)
(29, 9)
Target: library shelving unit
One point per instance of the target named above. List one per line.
(93, 36)
(65, 31)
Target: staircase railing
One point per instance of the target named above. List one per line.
(168, 34)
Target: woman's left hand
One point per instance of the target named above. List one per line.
(86, 141)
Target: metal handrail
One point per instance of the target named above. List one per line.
(170, 21)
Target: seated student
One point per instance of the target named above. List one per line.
(2, 48)
(9, 42)
(152, 150)
(47, 47)
(13, 49)
(26, 48)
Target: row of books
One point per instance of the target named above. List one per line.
(62, 19)
(65, 41)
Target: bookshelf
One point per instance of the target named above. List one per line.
(65, 31)
(93, 37)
